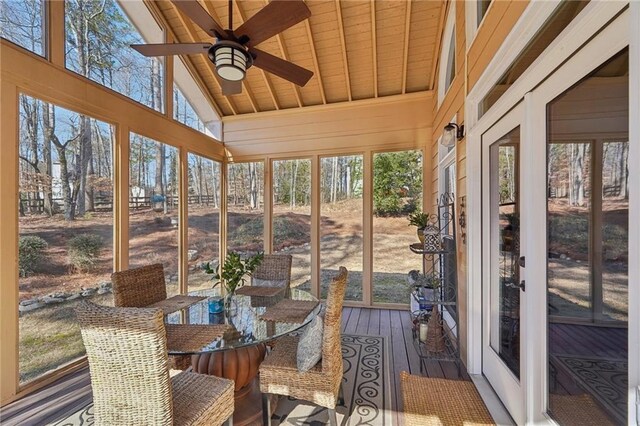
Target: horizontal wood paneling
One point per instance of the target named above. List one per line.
(403, 121)
(497, 24)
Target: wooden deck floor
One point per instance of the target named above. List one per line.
(68, 394)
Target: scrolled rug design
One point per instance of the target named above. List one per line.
(366, 385)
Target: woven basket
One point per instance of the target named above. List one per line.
(435, 333)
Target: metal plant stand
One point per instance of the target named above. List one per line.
(434, 314)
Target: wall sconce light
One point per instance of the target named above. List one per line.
(452, 133)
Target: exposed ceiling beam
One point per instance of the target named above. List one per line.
(374, 48)
(285, 56)
(267, 81)
(186, 23)
(155, 11)
(436, 51)
(245, 84)
(344, 48)
(314, 55)
(405, 58)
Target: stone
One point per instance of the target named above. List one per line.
(74, 297)
(28, 302)
(31, 307)
(174, 222)
(103, 290)
(192, 255)
(58, 295)
(105, 284)
(52, 300)
(563, 256)
(86, 292)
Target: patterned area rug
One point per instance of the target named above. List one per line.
(605, 379)
(367, 391)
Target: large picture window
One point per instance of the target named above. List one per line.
(98, 35)
(292, 215)
(245, 207)
(397, 192)
(22, 22)
(65, 230)
(204, 219)
(341, 236)
(153, 207)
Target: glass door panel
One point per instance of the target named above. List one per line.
(502, 294)
(505, 246)
(587, 236)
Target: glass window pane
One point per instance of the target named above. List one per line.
(65, 229)
(204, 219)
(615, 230)
(22, 22)
(245, 207)
(569, 207)
(483, 6)
(505, 249)
(292, 216)
(153, 207)
(561, 17)
(341, 185)
(98, 35)
(184, 112)
(397, 192)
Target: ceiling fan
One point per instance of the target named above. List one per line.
(233, 51)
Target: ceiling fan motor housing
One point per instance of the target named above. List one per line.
(231, 59)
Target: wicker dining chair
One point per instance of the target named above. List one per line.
(322, 384)
(275, 267)
(139, 287)
(128, 364)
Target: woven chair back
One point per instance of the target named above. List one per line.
(331, 343)
(139, 287)
(275, 267)
(127, 353)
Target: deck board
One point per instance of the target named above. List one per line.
(73, 391)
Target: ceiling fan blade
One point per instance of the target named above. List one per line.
(273, 19)
(281, 68)
(200, 17)
(230, 87)
(167, 49)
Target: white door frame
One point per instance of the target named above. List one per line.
(510, 389)
(591, 20)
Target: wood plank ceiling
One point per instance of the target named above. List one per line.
(357, 49)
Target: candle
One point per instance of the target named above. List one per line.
(423, 331)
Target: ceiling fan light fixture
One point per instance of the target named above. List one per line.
(231, 60)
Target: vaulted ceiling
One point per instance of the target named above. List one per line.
(357, 49)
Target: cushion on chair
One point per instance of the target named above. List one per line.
(259, 282)
(310, 345)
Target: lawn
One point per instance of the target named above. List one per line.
(49, 337)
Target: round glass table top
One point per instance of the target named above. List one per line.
(249, 321)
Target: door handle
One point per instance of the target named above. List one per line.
(521, 261)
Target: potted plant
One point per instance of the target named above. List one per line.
(420, 220)
(233, 273)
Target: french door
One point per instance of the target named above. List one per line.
(503, 289)
(559, 333)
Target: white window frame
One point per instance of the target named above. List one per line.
(448, 36)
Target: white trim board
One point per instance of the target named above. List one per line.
(491, 400)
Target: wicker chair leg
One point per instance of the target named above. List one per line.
(266, 409)
(341, 395)
(333, 418)
(229, 421)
